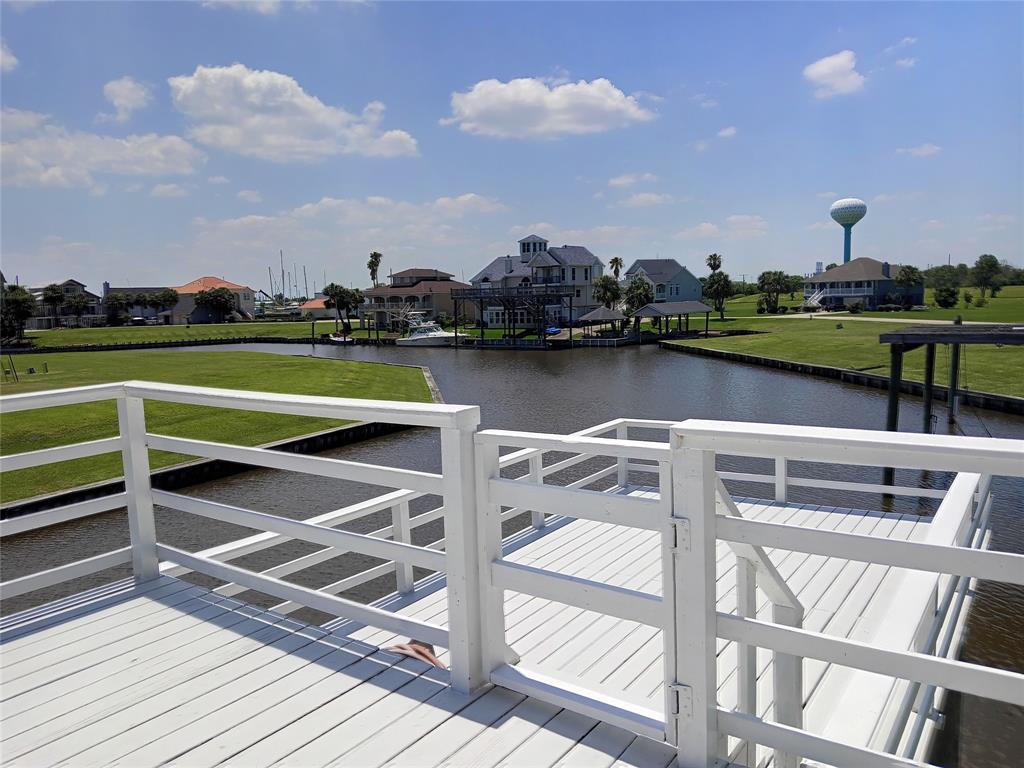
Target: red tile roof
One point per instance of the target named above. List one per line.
(208, 284)
(314, 304)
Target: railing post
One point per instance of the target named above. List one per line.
(788, 684)
(746, 670)
(462, 553)
(131, 418)
(401, 532)
(692, 713)
(780, 479)
(536, 467)
(622, 476)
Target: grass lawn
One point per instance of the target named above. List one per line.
(987, 368)
(61, 337)
(267, 372)
(1007, 307)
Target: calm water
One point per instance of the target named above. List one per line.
(567, 391)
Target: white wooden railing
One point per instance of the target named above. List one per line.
(692, 510)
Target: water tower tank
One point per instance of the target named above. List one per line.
(846, 213)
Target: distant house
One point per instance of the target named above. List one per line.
(46, 317)
(416, 289)
(138, 310)
(868, 281)
(568, 268)
(186, 311)
(317, 309)
(669, 280)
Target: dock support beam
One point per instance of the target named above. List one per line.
(954, 375)
(892, 419)
(929, 376)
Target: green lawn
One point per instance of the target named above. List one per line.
(267, 372)
(142, 333)
(1007, 307)
(856, 346)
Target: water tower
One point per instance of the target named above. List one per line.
(846, 213)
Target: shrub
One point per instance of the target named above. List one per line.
(968, 298)
(809, 308)
(855, 307)
(782, 310)
(761, 306)
(981, 301)
(947, 296)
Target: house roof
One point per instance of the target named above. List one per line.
(496, 270)
(533, 239)
(672, 308)
(423, 286)
(602, 315)
(133, 290)
(658, 270)
(543, 259)
(862, 268)
(421, 272)
(575, 256)
(314, 304)
(208, 284)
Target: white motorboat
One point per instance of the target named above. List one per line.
(426, 333)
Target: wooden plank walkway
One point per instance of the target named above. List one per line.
(170, 673)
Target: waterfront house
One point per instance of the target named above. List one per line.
(567, 271)
(137, 309)
(185, 310)
(669, 279)
(415, 289)
(317, 309)
(867, 281)
(46, 316)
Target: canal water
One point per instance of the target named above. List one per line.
(569, 390)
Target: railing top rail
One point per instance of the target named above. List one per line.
(989, 455)
(54, 397)
(598, 446)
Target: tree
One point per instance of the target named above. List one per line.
(374, 266)
(714, 262)
(718, 288)
(53, 297)
(166, 299)
(833, 265)
(615, 264)
(968, 298)
(142, 300)
(350, 301)
(77, 303)
(946, 284)
(985, 273)
(16, 306)
(607, 291)
(639, 293)
(218, 301)
(771, 284)
(907, 278)
(794, 284)
(116, 304)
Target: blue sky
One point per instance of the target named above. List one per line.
(150, 143)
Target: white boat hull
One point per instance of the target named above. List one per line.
(426, 341)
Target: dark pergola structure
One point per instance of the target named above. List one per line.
(602, 316)
(678, 310)
(534, 299)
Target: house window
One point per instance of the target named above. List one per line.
(574, 274)
(577, 293)
(563, 273)
(586, 274)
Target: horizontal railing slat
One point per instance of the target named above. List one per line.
(623, 603)
(63, 514)
(63, 573)
(349, 582)
(43, 456)
(834, 485)
(586, 505)
(330, 604)
(936, 558)
(297, 529)
(55, 397)
(598, 446)
(808, 745)
(948, 673)
(424, 482)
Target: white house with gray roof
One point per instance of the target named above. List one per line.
(570, 268)
(670, 280)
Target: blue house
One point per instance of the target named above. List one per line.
(670, 280)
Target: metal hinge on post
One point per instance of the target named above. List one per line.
(681, 700)
(681, 534)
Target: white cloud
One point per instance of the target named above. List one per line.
(42, 154)
(727, 133)
(906, 42)
(250, 196)
(456, 207)
(697, 232)
(264, 114)
(701, 146)
(645, 200)
(168, 190)
(743, 226)
(527, 108)
(8, 61)
(629, 179)
(835, 75)
(993, 222)
(262, 7)
(922, 150)
(906, 63)
(218, 180)
(704, 101)
(127, 96)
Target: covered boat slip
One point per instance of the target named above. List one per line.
(647, 615)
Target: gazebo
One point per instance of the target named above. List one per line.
(678, 310)
(601, 316)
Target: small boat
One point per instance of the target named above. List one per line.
(339, 338)
(426, 333)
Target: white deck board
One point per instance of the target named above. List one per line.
(167, 673)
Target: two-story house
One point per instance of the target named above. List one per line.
(49, 316)
(568, 269)
(669, 280)
(868, 281)
(416, 289)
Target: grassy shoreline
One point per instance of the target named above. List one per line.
(35, 430)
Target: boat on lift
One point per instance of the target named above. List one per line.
(425, 333)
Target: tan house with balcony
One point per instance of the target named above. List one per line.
(416, 289)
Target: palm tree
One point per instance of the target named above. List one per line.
(714, 262)
(615, 264)
(53, 297)
(335, 295)
(374, 266)
(607, 290)
(77, 303)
